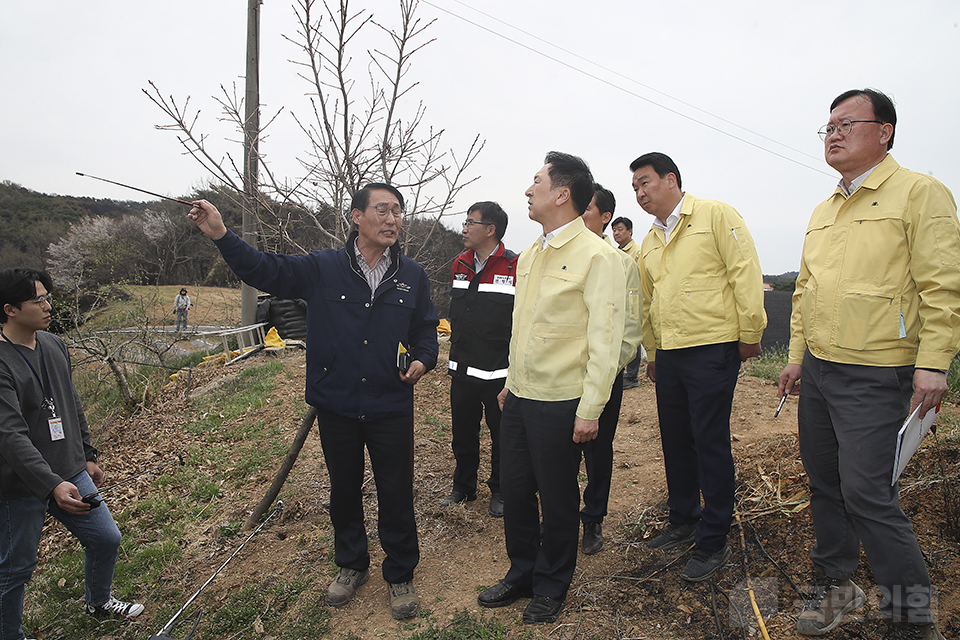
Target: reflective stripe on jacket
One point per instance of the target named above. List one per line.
(481, 310)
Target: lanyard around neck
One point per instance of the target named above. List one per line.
(48, 393)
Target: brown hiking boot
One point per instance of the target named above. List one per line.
(832, 600)
(404, 602)
(345, 585)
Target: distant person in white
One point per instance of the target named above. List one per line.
(181, 304)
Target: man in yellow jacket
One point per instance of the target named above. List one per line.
(623, 235)
(702, 315)
(598, 453)
(875, 321)
(568, 321)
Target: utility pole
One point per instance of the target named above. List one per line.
(251, 152)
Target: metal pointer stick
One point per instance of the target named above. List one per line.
(149, 193)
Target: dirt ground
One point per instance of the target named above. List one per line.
(627, 591)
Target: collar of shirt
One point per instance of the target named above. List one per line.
(477, 264)
(547, 237)
(857, 181)
(375, 273)
(672, 220)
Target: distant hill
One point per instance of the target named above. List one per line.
(789, 276)
(32, 220)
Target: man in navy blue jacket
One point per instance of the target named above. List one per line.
(363, 302)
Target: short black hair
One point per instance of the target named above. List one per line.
(572, 172)
(491, 213)
(19, 284)
(883, 109)
(606, 202)
(361, 199)
(625, 221)
(661, 163)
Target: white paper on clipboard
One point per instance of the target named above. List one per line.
(913, 431)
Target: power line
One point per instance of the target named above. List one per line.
(626, 90)
(637, 82)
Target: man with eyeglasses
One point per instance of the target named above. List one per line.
(47, 461)
(481, 306)
(366, 304)
(874, 323)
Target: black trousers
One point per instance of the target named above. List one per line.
(468, 402)
(389, 442)
(632, 371)
(538, 454)
(598, 458)
(694, 398)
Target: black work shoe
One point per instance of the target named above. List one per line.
(496, 505)
(630, 384)
(906, 631)
(458, 497)
(704, 564)
(592, 538)
(502, 594)
(675, 536)
(542, 609)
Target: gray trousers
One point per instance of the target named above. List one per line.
(849, 416)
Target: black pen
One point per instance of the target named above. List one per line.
(780, 406)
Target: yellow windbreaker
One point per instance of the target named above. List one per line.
(703, 286)
(632, 249)
(879, 280)
(568, 319)
(632, 329)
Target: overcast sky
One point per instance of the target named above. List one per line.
(73, 72)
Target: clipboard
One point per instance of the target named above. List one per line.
(911, 434)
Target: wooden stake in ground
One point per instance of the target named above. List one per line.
(284, 471)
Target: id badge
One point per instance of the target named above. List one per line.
(56, 428)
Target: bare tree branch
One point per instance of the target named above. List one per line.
(358, 128)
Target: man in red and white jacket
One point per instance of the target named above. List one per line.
(481, 309)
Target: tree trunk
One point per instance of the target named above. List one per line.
(118, 371)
